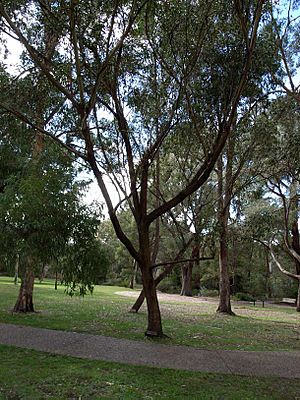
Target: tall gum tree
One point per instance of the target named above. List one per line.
(287, 190)
(281, 176)
(239, 148)
(287, 31)
(40, 102)
(105, 67)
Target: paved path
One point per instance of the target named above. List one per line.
(94, 347)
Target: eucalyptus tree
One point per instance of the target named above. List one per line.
(282, 176)
(232, 167)
(284, 181)
(40, 210)
(288, 192)
(124, 72)
(285, 25)
(42, 220)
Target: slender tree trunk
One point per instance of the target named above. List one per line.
(16, 270)
(25, 301)
(224, 282)
(196, 264)
(268, 272)
(51, 38)
(140, 300)
(186, 274)
(56, 279)
(224, 199)
(295, 234)
(296, 243)
(156, 239)
(138, 303)
(133, 276)
(298, 297)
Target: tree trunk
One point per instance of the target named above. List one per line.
(16, 270)
(224, 282)
(298, 298)
(25, 301)
(133, 276)
(196, 256)
(140, 300)
(186, 273)
(56, 279)
(168, 269)
(154, 328)
(296, 242)
(138, 303)
(268, 274)
(224, 200)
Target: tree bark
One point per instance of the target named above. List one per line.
(298, 297)
(140, 300)
(295, 235)
(16, 270)
(133, 276)
(186, 274)
(296, 243)
(224, 282)
(25, 300)
(56, 279)
(224, 199)
(268, 274)
(168, 269)
(154, 328)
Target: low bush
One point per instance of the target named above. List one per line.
(244, 296)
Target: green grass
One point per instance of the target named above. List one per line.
(27, 374)
(105, 313)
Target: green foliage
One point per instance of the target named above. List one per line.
(84, 264)
(170, 285)
(208, 292)
(244, 296)
(41, 215)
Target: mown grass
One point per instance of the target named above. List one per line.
(27, 374)
(105, 313)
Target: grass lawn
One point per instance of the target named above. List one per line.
(27, 374)
(105, 313)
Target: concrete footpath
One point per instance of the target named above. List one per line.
(94, 347)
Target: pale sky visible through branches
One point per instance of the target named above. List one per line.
(11, 61)
(93, 193)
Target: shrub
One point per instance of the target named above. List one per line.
(244, 296)
(208, 292)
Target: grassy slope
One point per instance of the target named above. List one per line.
(194, 325)
(33, 375)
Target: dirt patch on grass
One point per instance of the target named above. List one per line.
(190, 307)
(176, 298)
